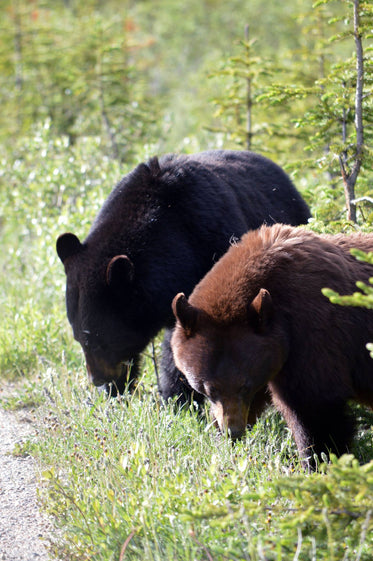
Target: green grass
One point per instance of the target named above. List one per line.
(163, 484)
(132, 465)
(131, 478)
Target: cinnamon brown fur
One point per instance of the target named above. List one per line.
(264, 325)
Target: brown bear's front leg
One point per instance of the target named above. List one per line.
(259, 403)
(318, 428)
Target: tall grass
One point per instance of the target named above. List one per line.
(132, 467)
(130, 478)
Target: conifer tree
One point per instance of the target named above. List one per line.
(71, 65)
(337, 122)
(322, 101)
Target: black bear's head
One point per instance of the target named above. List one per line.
(105, 307)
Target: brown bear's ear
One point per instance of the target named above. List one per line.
(67, 245)
(185, 313)
(260, 311)
(120, 271)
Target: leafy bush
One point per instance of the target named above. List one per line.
(327, 516)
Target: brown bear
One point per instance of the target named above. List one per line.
(257, 327)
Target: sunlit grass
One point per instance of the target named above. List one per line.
(133, 475)
(134, 466)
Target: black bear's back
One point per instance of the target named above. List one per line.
(253, 183)
(175, 216)
(239, 185)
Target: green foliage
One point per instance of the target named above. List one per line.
(282, 85)
(322, 516)
(362, 298)
(130, 72)
(307, 100)
(138, 469)
(48, 188)
(247, 75)
(74, 67)
(131, 478)
(159, 484)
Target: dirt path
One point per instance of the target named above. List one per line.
(22, 527)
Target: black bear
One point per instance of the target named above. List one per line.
(258, 326)
(160, 230)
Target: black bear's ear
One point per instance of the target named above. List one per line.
(260, 311)
(67, 245)
(185, 313)
(120, 271)
(153, 165)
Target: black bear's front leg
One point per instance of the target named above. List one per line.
(172, 382)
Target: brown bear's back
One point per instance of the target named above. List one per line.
(289, 262)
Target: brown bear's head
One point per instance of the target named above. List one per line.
(103, 307)
(228, 362)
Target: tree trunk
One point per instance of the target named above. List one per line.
(248, 99)
(350, 178)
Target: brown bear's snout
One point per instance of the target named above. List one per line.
(231, 417)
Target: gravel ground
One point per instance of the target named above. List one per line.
(22, 527)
